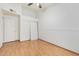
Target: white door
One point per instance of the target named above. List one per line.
(24, 30)
(34, 32)
(1, 31)
(11, 28)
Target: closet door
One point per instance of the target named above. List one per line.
(11, 28)
(34, 33)
(1, 31)
(24, 30)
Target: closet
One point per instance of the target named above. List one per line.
(1, 29)
(28, 24)
(10, 26)
(28, 29)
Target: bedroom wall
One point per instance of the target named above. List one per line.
(59, 25)
(15, 6)
(28, 12)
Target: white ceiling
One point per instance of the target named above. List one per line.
(34, 6)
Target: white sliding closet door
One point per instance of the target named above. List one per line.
(11, 28)
(1, 31)
(24, 30)
(34, 33)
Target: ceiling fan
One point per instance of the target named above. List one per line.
(37, 4)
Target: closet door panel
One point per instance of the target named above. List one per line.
(34, 33)
(10, 26)
(1, 31)
(17, 28)
(24, 30)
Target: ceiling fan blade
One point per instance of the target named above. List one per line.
(30, 4)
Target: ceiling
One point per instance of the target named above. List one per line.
(36, 8)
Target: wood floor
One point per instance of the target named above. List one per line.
(33, 48)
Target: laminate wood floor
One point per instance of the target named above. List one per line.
(33, 48)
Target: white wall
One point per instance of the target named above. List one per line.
(28, 12)
(15, 6)
(60, 25)
(18, 8)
